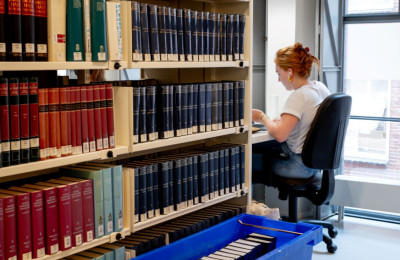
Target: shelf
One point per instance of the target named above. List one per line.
(163, 218)
(48, 65)
(188, 64)
(160, 143)
(58, 162)
(106, 239)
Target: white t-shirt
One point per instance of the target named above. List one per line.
(303, 104)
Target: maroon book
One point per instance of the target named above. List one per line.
(37, 211)
(3, 54)
(43, 105)
(14, 30)
(24, 119)
(13, 95)
(97, 117)
(50, 216)
(72, 109)
(28, 30)
(110, 115)
(78, 120)
(33, 120)
(5, 123)
(69, 120)
(91, 118)
(10, 226)
(64, 120)
(54, 119)
(103, 111)
(84, 120)
(2, 246)
(24, 227)
(41, 29)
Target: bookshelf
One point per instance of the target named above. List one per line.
(166, 72)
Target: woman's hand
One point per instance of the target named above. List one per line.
(256, 115)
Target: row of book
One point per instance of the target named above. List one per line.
(253, 246)
(171, 183)
(107, 251)
(75, 120)
(173, 110)
(56, 214)
(152, 238)
(163, 33)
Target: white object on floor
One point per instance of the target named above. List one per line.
(261, 209)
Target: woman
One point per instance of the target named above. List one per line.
(293, 66)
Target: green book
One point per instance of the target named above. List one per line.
(74, 29)
(98, 28)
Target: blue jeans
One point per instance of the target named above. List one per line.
(263, 156)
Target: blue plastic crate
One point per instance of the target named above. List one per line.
(288, 246)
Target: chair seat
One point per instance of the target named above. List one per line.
(310, 184)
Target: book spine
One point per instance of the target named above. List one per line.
(195, 98)
(24, 228)
(107, 200)
(235, 44)
(14, 28)
(69, 121)
(168, 33)
(87, 41)
(177, 110)
(136, 111)
(163, 115)
(143, 116)
(74, 29)
(200, 40)
(33, 120)
(78, 119)
(223, 37)
(65, 217)
(3, 38)
(241, 102)
(14, 121)
(40, 11)
(242, 25)
(54, 101)
(220, 106)
(151, 112)
(236, 100)
(10, 228)
(154, 33)
(194, 40)
(38, 224)
(144, 21)
(195, 168)
(238, 167)
(216, 174)
(43, 124)
(208, 102)
(136, 196)
(149, 191)
(164, 187)
(136, 31)
(227, 183)
(110, 115)
(142, 193)
(162, 32)
(202, 108)
(171, 110)
(211, 36)
(214, 107)
(242, 151)
(28, 30)
(51, 220)
(2, 246)
(5, 123)
(174, 34)
(104, 120)
(114, 36)
(225, 94)
(88, 210)
(232, 169)
(217, 37)
(98, 27)
(91, 118)
(184, 110)
(221, 163)
(211, 178)
(206, 45)
(56, 26)
(64, 111)
(180, 34)
(231, 105)
(98, 118)
(229, 37)
(85, 120)
(177, 182)
(190, 109)
(171, 191)
(117, 197)
(185, 182)
(188, 34)
(203, 177)
(77, 213)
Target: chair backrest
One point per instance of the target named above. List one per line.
(324, 142)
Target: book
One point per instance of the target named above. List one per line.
(40, 12)
(217, 37)
(168, 33)
(236, 99)
(136, 111)
(51, 217)
(220, 105)
(23, 220)
(201, 118)
(110, 115)
(5, 123)
(14, 30)
(114, 32)
(171, 110)
(174, 34)
(87, 38)
(154, 33)
(3, 48)
(104, 118)
(143, 115)
(76, 93)
(180, 34)
(184, 109)
(162, 28)
(37, 220)
(163, 116)
(241, 102)
(56, 27)
(151, 112)
(108, 253)
(91, 255)
(98, 29)
(229, 37)
(242, 25)
(223, 36)
(211, 36)
(74, 30)
(145, 33)
(2, 246)
(231, 104)
(187, 29)
(208, 106)
(200, 40)
(84, 119)
(190, 109)
(54, 120)
(24, 119)
(33, 119)
(93, 141)
(28, 30)
(64, 120)
(10, 226)
(136, 32)
(194, 40)
(206, 46)
(119, 251)
(43, 123)
(214, 107)
(177, 110)
(15, 132)
(98, 118)
(236, 37)
(195, 107)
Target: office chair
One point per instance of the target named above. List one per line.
(322, 150)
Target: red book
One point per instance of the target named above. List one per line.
(13, 95)
(3, 56)
(50, 216)
(97, 117)
(78, 120)
(14, 28)
(87, 206)
(110, 115)
(10, 226)
(5, 123)
(28, 30)
(33, 119)
(84, 120)
(90, 121)
(64, 120)
(2, 246)
(64, 213)
(76, 209)
(24, 229)
(24, 119)
(43, 122)
(37, 221)
(72, 109)
(103, 110)
(54, 100)
(41, 29)
(69, 120)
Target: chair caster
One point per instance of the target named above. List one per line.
(331, 248)
(332, 233)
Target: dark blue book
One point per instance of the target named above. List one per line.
(211, 36)
(184, 183)
(209, 94)
(217, 37)
(149, 191)
(206, 46)
(163, 111)
(144, 21)
(177, 110)
(235, 44)
(171, 110)
(184, 114)
(142, 193)
(228, 183)
(168, 26)
(189, 166)
(156, 189)
(200, 40)
(201, 119)
(137, 195)
(203, 177)
(162, 33)
(242, 25)
(195, 99)
(231, 105)
(164, 187)
(211, 173)
(180, 33)
(214, 107)
(177, 183)
(174, 34)
(221, 164)
(229, 37)
(187, 27)
(195, 50)
(151, 112)
(136, 112)
(143, 116)
(189, 109)
(238, 167)
(154, 33)
(171, 191)
(216, 173)
(225, 100)
(195, 169)
(136, 32)
(241, 102)
(220, 106)
(236, 99)
(242, 152)
(232, 169)
(223, 37)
